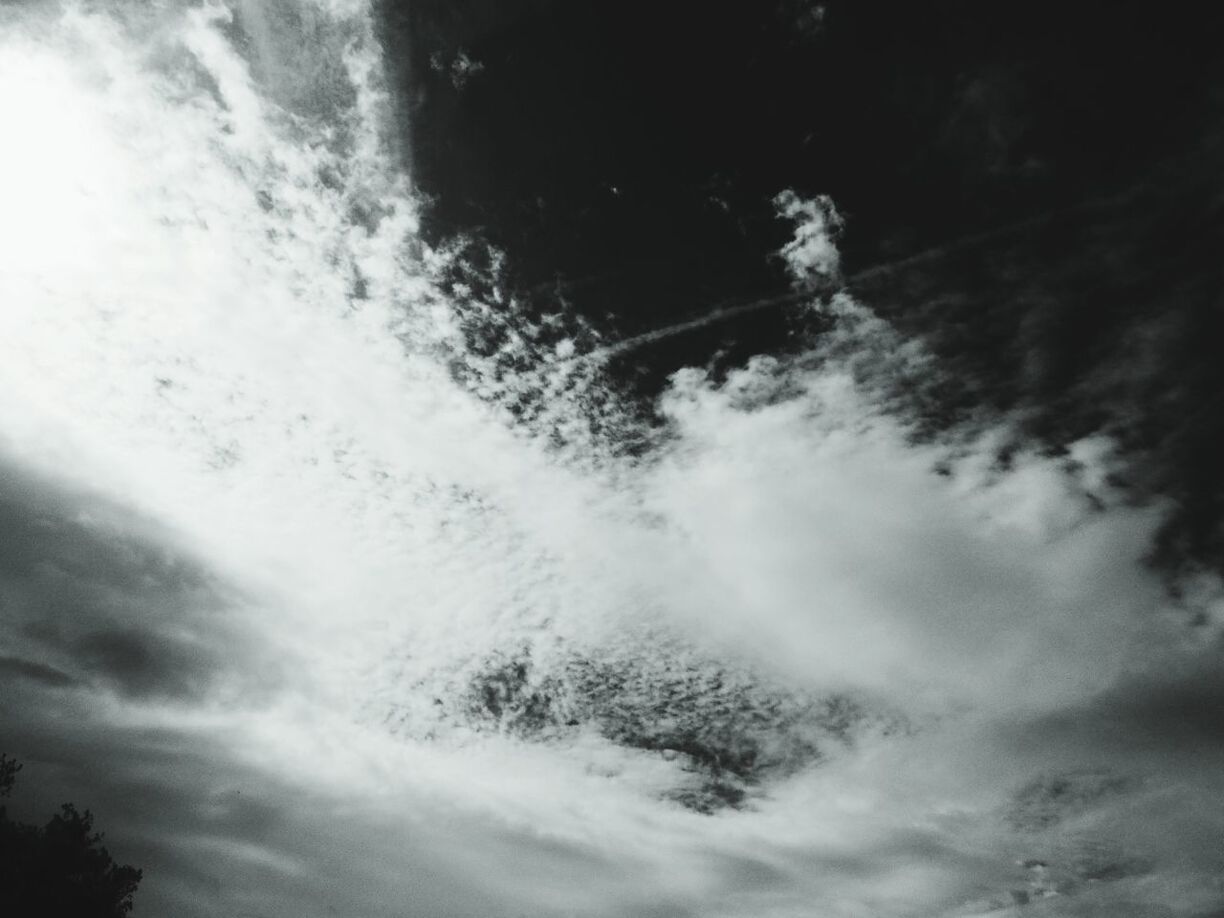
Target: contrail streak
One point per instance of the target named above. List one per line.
(734, 310)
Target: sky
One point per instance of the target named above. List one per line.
(376, 543)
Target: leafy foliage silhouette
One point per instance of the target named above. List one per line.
(60, 870)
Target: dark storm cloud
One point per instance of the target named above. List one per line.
(216, 835)
(17, 668)
(92, 595)
(125, 688)
(219, 835)
(143, 665)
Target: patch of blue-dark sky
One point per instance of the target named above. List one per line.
(1028, 189)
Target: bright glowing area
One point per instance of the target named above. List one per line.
(58, 173)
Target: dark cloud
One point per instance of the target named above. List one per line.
(96, 595)
(1046, 801)
(129, 690)
(1151, 724)
(1175, 710)
(143, 665)
(217, 836)
(17, 668)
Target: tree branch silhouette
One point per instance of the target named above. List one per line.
(60, 870)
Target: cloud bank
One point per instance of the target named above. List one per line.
(313, 619)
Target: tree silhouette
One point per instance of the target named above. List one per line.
(8, 775)
(60, 870)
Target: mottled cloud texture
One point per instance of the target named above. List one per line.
(314, 625)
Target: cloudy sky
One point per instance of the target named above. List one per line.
(543, 459)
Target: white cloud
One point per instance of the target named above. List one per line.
(811, 256)
(179, 336)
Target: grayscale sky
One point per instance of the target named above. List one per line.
(366, 550)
